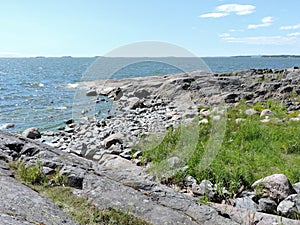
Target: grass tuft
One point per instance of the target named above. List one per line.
(78, 208)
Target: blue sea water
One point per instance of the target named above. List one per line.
(39, 92)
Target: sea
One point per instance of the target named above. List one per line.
(40, 92)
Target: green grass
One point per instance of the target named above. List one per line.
(78, 208)
(83, 211)
(250, 150)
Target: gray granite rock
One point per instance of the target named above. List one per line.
(267, 205)
(111, 182)
(290, 207)
(250, 112)
(113, 139)
(246, 203)
(32, 133)
(205, 188)
(276, 187)
(21, 205)
(91, 93)
(297, 187)
(245, 216)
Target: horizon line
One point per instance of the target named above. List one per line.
(95, 56)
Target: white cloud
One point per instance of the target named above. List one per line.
(255, 26)
(236, 8)
(266, 22)
(268, 19)
(236, 30)
(227, 9)
(293, 27)
(263, 40)
(224, 35)
(295, 34)
(213, 15)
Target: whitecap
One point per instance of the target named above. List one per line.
(61, 108)
(37, 84)
(6, 126)
(71, 85)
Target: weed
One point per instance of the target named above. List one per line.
(259, 190)
(57, 179)
(204, 200)
(30, 174)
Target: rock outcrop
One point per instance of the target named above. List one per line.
(112, 182)
(20, 205)
(96, 158)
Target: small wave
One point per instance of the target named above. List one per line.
(71, 85)
(61, 108)
(37, 84)
(6, 126)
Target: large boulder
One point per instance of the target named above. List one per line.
(91, 93)
(113, 139)
(276, 187)
(32, 133)
(141, 93)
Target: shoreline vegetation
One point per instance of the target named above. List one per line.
(252, 148)
(258, 111)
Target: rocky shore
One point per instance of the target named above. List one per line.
(98, 160)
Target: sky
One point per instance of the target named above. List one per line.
(96, 27)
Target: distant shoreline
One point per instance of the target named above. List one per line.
(233, 56)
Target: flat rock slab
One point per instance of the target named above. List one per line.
(244, 216)
(21, 205)
(115, 182)
(111, 182)
(130, 188)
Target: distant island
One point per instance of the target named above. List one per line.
(266, 56)
(281, 56)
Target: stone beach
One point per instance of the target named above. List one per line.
(97, 159)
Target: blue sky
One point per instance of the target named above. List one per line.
(95, 27)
